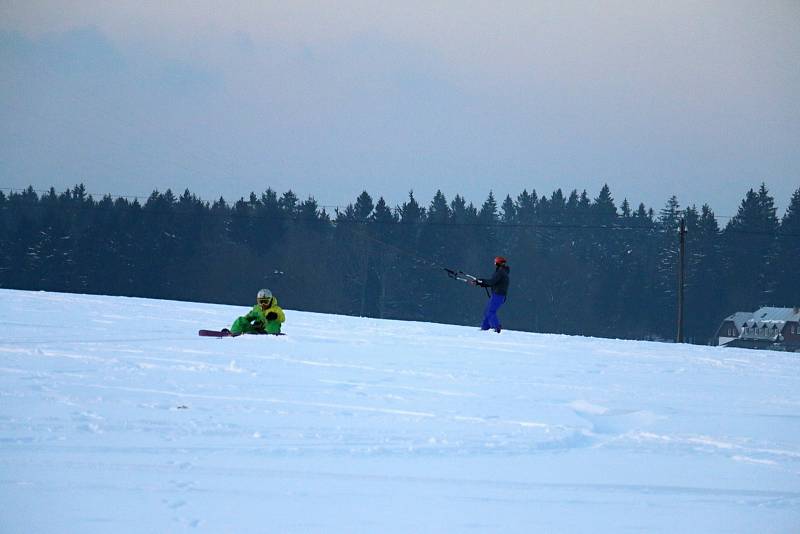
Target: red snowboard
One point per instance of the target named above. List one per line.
(227, 333)
(215, 333)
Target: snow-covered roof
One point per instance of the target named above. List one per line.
(739, 318)
(765, 315)
(768, 314)
(768, 322)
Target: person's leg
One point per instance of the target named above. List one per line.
(490, 313)
(241, 326)
(494, 304)
(487, 312)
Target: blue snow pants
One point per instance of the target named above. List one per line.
(490, 319)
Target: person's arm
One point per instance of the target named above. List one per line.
(278, 314)
(491, 282)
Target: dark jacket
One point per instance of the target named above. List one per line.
(498, 282)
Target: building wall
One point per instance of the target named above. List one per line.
(727, 332)
(791, 333)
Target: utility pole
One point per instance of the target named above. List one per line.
(681, 278)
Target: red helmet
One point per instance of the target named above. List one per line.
(499, 260)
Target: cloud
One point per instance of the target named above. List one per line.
(649, 96)
(682, 56)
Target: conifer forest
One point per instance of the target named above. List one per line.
(580, 264)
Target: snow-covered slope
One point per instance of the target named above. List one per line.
(116, 417)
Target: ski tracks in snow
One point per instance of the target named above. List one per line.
(374, 410)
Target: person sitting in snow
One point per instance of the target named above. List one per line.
(499, 285)
(265, 317)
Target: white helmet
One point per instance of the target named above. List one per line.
(264, 294)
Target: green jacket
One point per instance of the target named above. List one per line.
(256, 320)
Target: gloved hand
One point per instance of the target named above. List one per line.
(271, 316)
(258, 325)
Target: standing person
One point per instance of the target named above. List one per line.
(266, 317)
(499, 285)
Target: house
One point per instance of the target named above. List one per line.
(732, 327)
(766, 328)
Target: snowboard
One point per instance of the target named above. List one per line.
(227, 333)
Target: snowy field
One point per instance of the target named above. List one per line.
(116, 417)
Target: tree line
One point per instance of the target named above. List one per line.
(579, 265)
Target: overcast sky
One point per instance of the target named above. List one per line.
(699, 99)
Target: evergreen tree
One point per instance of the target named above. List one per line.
(605, 274)
(509, 211)
(605, 212)
(436, 246)
(525, 258)
(571, 208)
(584, 208)
(703, 309)
(292, 276)
(558, 205)
(383, 214)
(412, 215)
(637, 263)
(625, 210)
(439, 212)
(526, 207)
(388, 260)
(363, 207)
(643, 215)
(288, 204)
(191, 224)
(5, 237)
(354, 241)
(243, 224)
(749, 251)
(308, 211)
(580, 266)
(271, 218)
(487, 233)
(488, 212)
(157, 240)
(787, 264)
(664, 309)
